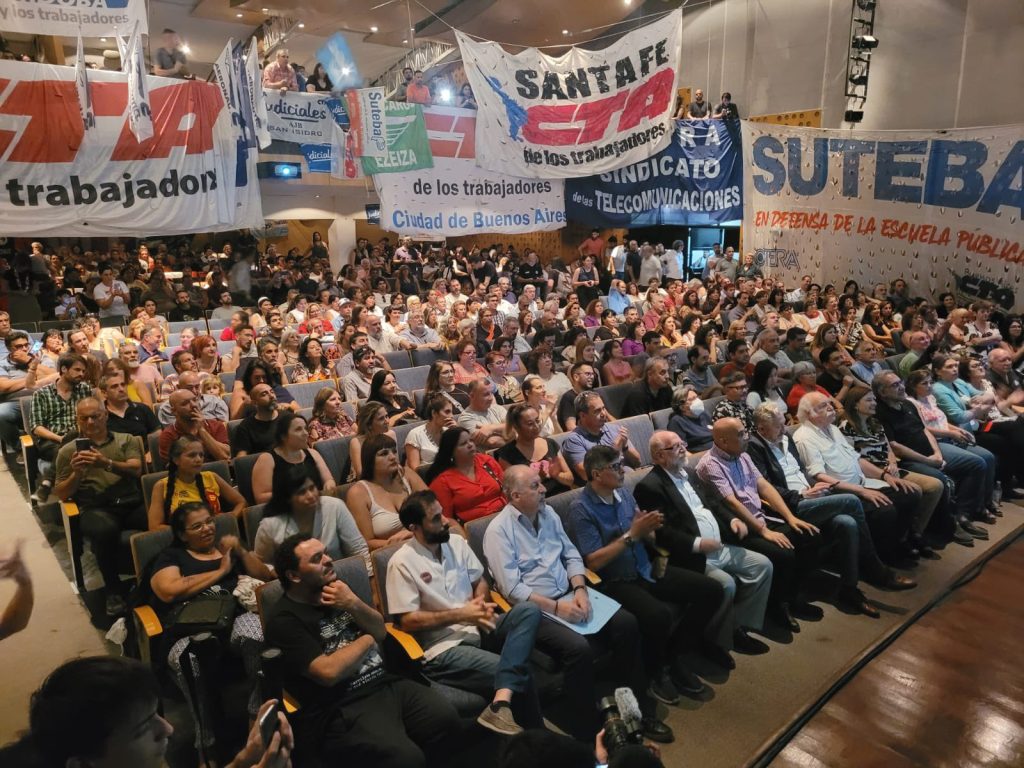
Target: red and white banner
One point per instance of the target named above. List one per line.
(367, 121)
(456, 197)
(579, 114)
(192, 175)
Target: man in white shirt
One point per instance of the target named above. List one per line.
(672, 261)
(484, 418)
(418, 335)
(437, 591)
(382, 341)
(650, 267)
(454, 294)
(768, 348)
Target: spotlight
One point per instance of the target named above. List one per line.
(860, 78)
(374, 29)
(854, 115)
(302, 25)
(865, 42)
(186, 50)
(446, 95)
(346, 71)
(238, 15)
(565, 31)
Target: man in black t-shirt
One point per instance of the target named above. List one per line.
(835, 378)
(353, 711)
(256, 432)
(726, 109)
(582, 376)
(484, 272)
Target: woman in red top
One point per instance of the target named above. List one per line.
(804, 381)
(467, 483)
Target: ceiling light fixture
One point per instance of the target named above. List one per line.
(302, 25)
(374, 29)
(446, 95)
(565, 31)
(865, 42)
(186, 50)
(405, 42)
(238, 15)
(103, 39)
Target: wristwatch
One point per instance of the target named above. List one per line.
(627, 539)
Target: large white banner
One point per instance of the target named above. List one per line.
(455, 197)
(55, 178)
(90, 18)
(941, 209)
(580, 114)
(302, 118)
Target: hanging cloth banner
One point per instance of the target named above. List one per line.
(455, 197)
(582, 113)
(89, 18)
(368, 121)
(58, 179)
(940, 209)
(408, 148)
(697, 179)
(303, 118)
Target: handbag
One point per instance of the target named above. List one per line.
(213, 613)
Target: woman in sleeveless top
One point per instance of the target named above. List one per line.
(441, 381)
(291, 439)
(585, 282)
(374, 501)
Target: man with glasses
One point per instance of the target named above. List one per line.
(279, 75)
(19, 371)
(582, 376)
(103, 480)
(5, 332)
(380, 340)
(612, 533)
(592, 429)
(692, 535)
(731, 476)
(734, 404)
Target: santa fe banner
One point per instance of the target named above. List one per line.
(455, 197)
(90, 18)
(57, 179)
(697, 179)
(583, 113)
(942, 209)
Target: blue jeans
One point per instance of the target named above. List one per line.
(841, 520)
(10, 423)
(967, 471)
(502, 660)
(985, 455)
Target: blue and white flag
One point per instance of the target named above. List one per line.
(82, 86)
(337, 58)
(140, 116)
(253, 81)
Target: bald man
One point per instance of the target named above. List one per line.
(532, 560)
(729, 473)
(188, 420)
(692, 535)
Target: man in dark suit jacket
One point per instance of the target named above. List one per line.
(691, 533)
(839, 517)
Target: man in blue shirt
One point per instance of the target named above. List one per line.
(612, 534)
(532, 560)
(592, 428)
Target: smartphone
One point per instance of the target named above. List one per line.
(82, 444)
(36, 347)
(269, 724)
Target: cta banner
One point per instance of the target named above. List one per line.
(455, 197)
(697, 179)
(56, 178)
(579, 114)
(368, 121)
(89, 18)
(407, 146)
(940, 209)
(303, 118)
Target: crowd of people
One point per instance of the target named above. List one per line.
(787, 428)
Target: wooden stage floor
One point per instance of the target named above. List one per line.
(948, 692)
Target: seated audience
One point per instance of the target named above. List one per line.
(483, 418)
(384, 390)
(423, 441)
(187, 481)
(189, 420)
(375, 499)
(593, 429)
(652, 393)
(466, 480)
(437, 590)
(122, 414)
(289, 447)
(528, 447)
(329, 419)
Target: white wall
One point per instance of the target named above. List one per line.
(343, 205)
(939, 63)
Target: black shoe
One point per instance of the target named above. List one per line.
(974, 530)
(806, 611)
(780, 613)
(653, 729)
(984, 516)
(995, 510)
(685, 681)
(663, 689)
(923, 550)
(1009, 494)
(743, 643)
(962, 537)
(718, 656)
(853, 600)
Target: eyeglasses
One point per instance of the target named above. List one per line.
(20, 346)
(615, 466)
(196, 527)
